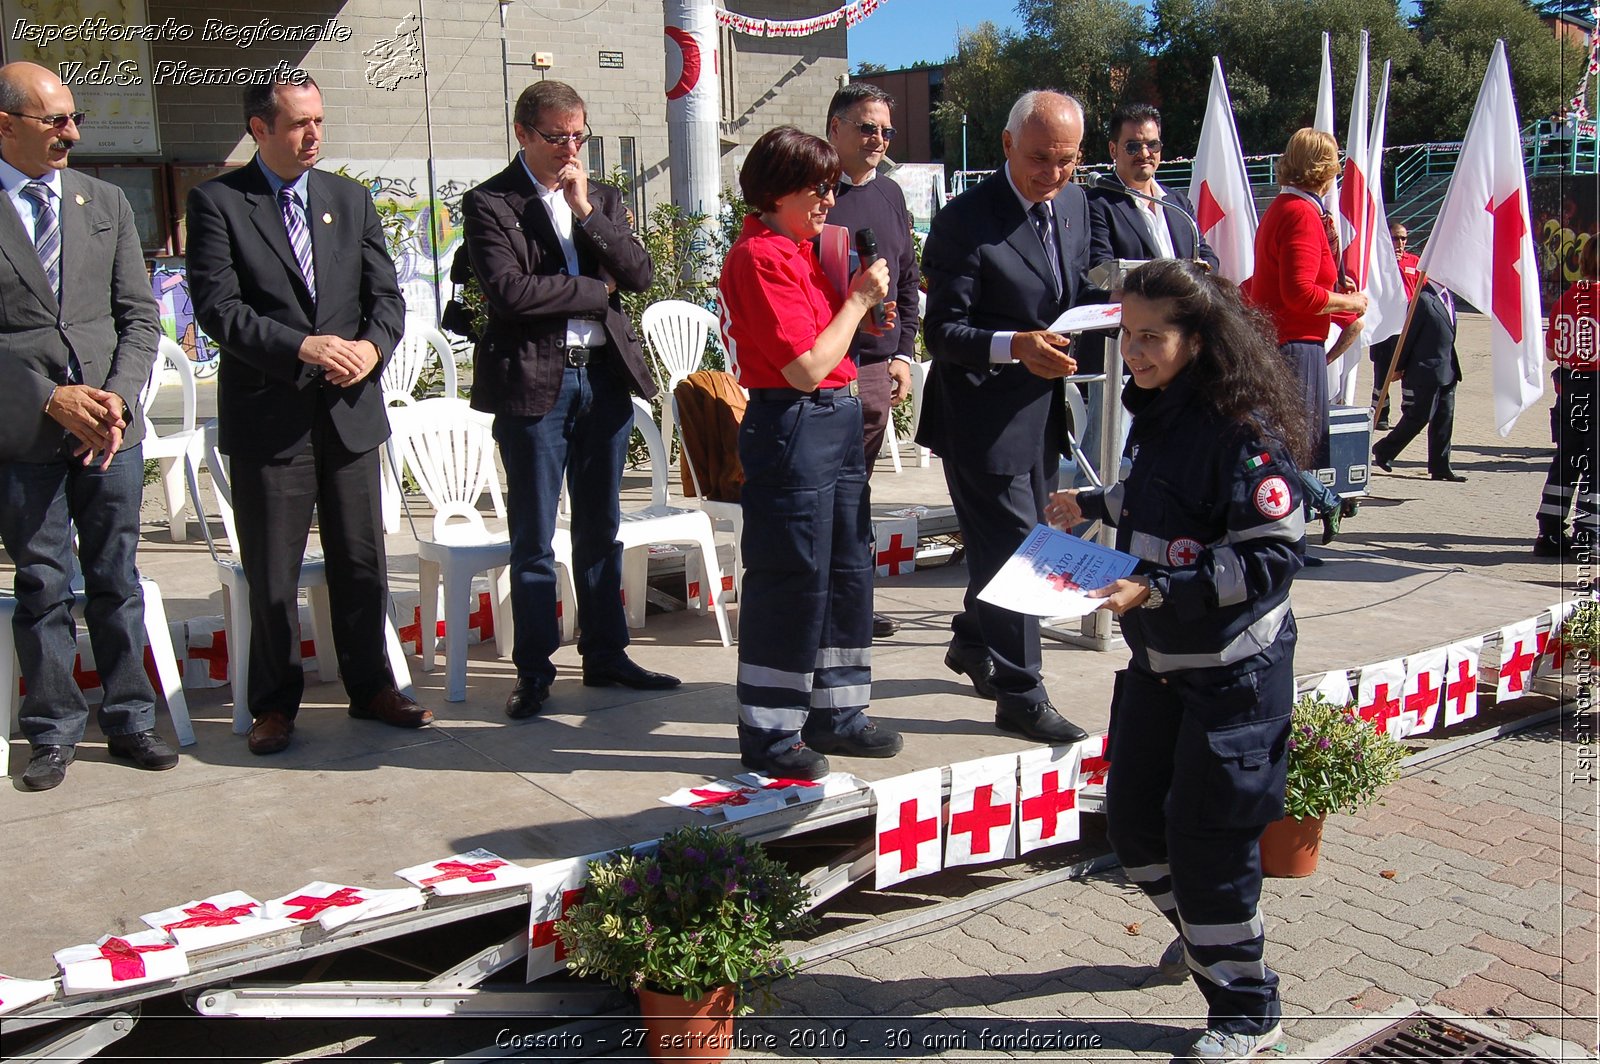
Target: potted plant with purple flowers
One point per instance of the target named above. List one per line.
(701, 921)
(1337, 763)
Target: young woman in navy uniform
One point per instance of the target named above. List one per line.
(1200, 718)
(805, 615)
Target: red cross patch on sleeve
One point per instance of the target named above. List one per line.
(1273, 499)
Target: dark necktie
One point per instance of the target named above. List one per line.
(1449, 305)
(1044, 225)
(294, 220)
(47, 242)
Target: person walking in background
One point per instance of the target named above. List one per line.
(1430, 371)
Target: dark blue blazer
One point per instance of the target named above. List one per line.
(1117, 231)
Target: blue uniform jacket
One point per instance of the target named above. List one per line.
(1213, 511)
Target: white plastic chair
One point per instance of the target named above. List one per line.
(170, 449)
(919, 384)
(420, 345)
(660, 522)
(676, 332)
(236, 593)
(450, 449)
(730, 512)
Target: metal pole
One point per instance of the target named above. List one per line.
(963, 148)
(427, 121)
(505, 74)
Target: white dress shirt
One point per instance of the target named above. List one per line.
(581, 332)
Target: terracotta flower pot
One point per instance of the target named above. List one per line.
(694, 1032)
(1289, 847)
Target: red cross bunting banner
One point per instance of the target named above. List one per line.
(731, 801)
(116, 961)
(1334, 687)
(216, 921)
(1378, 695)
(1094, 764)
(896, 539)
(908, 826)
(1552, 651)
(983, 811)
(334, 905)
(556, 887)
(1419, 704)
(1518, 649)
(473, 872)
(1461, 681)
(1047, 796)
(15, 993)
(796, 792)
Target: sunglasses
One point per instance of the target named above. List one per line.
(869, 130)
(57, 122)
(1133, 147)
(577, 140)
(823, 189)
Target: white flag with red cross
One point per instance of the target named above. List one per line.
(908, 826)
(15, 993)
(1386, 288)
(555, 889)
(1094, 762)
(334, 905)
(1378, 694)
(1482, 244)
(896, 545)
(1518, 648)
(1334, 687)
(983, 811)
(1219, 187)
(222, 918)
(1552, 651)
(1047, 796)
(473, 872)
(1461, 681)
(1419, 706)
(116, 961)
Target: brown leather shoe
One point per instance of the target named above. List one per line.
(392, 707)
(270, 733)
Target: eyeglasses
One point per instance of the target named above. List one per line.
(1133, 147)
(57, 122)
(868, 129)
(577, 140)
(823, 189)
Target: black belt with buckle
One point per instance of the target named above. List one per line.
(578, 357)
(789, 395)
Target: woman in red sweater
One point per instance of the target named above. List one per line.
(1571, 343)
(1297, 283)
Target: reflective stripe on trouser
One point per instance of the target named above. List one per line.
(805, 611)
(1572, 468)
(1198, 767)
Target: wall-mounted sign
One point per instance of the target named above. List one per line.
(610, 60)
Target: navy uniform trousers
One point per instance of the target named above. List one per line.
(1572, 467)
(805, 616)
(1198, 771)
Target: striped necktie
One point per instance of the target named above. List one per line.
(1044, 225)
(294, 220)
(47, 242)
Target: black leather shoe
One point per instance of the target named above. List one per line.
(625, 672)
(1385, 464)
(47, 767)
(145, 749)
(883, 627)
(1451, 475)
(526, 698)
(1553, 545)
(871, 741)
(798, 762)
(1040, 722)
(979, 670)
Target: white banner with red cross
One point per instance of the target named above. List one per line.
(983, 811)
(333, 905)
(556, 887)
(1461, 681)
(732, 801)
(1047, 796)
(215, 921)
(908, 826)
(85, 673)
(895, 541)
(1419, 703)
(473, 872)
(1334, 687)
(480, 618)
(1518, 649)
(1378, 695)
(117, 961)
(15, 993)
(1552, 651)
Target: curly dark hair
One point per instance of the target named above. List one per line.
(1238, 370)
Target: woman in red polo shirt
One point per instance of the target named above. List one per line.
(805, 611)
(1571, 342)
(1297, 283)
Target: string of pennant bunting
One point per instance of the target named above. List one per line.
(850, 14)
(1579, 104)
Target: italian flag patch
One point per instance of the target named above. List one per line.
(1258, 461)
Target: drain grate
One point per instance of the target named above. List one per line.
(1422, 1037)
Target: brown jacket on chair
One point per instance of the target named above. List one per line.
(710, 408)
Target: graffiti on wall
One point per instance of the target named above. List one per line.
(1564, 221)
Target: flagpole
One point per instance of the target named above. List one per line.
(1399, 347)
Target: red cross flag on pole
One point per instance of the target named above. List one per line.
(1461, 681)
(1386, 288)
(1419, 705)
(1378, 694)
(1517, 653)
(983, 814)
(1219, 188)
(556, 888)
(1482, 244)
(908, 828)
(1047, 796)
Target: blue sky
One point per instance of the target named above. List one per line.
(903, 31)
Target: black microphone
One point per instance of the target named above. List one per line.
(1094, 180)
(867, 250)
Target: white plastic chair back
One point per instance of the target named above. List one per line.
(169, 355)
(676, 332)
(420, 345)
(450, 451)
(645, 422)
(221, 490)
